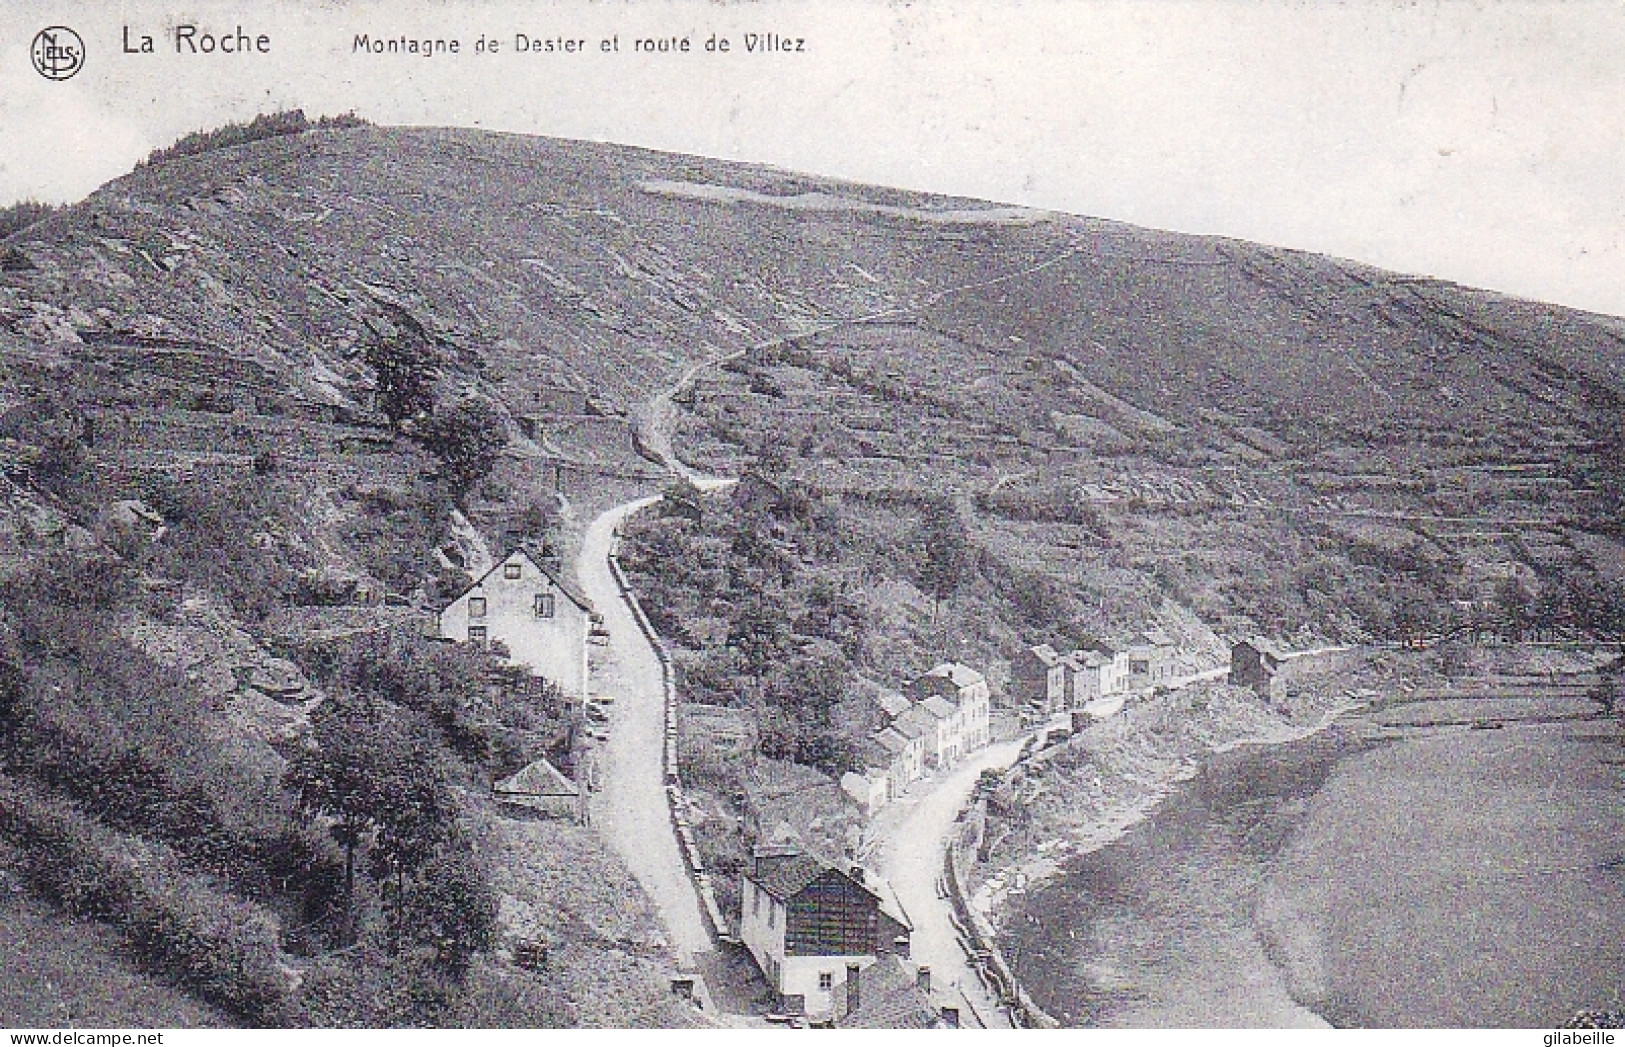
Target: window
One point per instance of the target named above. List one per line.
(544, 605)
(476, 607)
(476, 634)
(826, 981)
(511, 571)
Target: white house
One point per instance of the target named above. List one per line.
(810, 926)
(904, 753)
(869, 790)
(1152, 660)
(956, 698)
(543, 624)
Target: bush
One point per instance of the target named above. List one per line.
(208, 541)
(266, 125)
(393, 535)
(23, 214)
(466, 439)
(219, 947)
(495, 717)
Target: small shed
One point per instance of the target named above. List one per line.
(539, 790)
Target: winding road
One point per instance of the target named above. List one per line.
(906, 844)
(630, 811)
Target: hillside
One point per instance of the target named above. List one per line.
(962, 427)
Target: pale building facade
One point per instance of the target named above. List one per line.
(543, 624)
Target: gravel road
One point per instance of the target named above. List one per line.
(907, 840)
(630, 811)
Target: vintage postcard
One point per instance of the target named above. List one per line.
(849, 514)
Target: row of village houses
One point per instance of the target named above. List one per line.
(943, 717)
(831, 939)
(1097, 677)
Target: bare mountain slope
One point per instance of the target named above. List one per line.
(1109, 417)
(550, 264)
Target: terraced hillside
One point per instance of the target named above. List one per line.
(1104, 426)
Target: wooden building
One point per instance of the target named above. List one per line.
(809, 925)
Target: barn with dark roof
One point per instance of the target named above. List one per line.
(808, 924)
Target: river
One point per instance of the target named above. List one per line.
(1369, 875)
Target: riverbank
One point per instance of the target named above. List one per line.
(1082, 796)
(1279, 884)
(1459, 878)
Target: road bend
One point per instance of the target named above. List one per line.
(630, 810)
(907, 846)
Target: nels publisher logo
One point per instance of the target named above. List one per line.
(57, 52)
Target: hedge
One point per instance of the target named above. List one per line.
(220, 948)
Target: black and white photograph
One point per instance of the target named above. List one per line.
(811, 514)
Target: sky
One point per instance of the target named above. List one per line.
(1481, 142)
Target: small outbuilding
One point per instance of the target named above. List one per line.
(540, 790)
(1256, 663)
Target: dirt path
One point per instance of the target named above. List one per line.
(630, 811)
(905, 846)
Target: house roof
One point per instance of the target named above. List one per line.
(785, 876)
(957, 674)
(537, 779)
(1045, 654)
(891, 740)
(939, 707)
(1087, 660)
(876, 758)
(570, 591)
(892, 703)
(915, 723)
(890, 999)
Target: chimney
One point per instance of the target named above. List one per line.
(922, 978)
(950, 1017)
(854, 997)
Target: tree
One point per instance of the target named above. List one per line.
(371, 771)
(405, 366)
(451, 907)
(759, 632)
(466, 438)
(683, 499)
(1515, 606)
(946, 551)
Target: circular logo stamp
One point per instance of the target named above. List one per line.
(57, 52)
